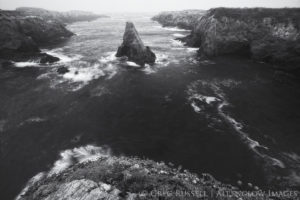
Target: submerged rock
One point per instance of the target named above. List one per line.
(134, 48)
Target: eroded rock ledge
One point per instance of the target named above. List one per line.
(269, 35)
(128, 178)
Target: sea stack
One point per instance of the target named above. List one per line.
(134, 48)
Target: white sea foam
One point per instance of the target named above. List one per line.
(33, 120)
(175, 29)
(178, 35)
(132, 64)
(203, 98)
(176, 43)
(191, 49)
(162, 60)
(84, 74)
(26, 64)
(81, 71)
(196, 108)
(214, 86)
(109, 57)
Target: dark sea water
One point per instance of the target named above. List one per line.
(230, 117)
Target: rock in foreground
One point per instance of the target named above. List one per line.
(128, 178)
(134, 48)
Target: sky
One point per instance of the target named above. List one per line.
(101, 6)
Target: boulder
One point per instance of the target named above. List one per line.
(63, 70)
(46, 59)
(134, 48)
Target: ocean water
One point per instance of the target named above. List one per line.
(230, 117)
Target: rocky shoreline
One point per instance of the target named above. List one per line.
(25, 30)
(111, 177)
(263, 34)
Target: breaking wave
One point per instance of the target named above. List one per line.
(80, 71)
(78, 155)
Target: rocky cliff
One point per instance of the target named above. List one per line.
(24, 30)
(112, 177)
(182, 19)
(21, 36)
(63, 17)
(133, 47)
(269, 35)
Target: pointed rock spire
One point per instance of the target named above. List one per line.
(134, 48)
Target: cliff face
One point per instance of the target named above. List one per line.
(24, 30)
(134, 48)
(269, 35)
(63, 17)
(11, 37)
(182, 19)
(24, 35)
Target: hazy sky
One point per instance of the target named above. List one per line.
(143, 5)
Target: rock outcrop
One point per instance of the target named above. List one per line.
(269, 35)
(129, 178)
(185, 19)
(25, 30)
(21, 36)
(134, 48)
(62, 17)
